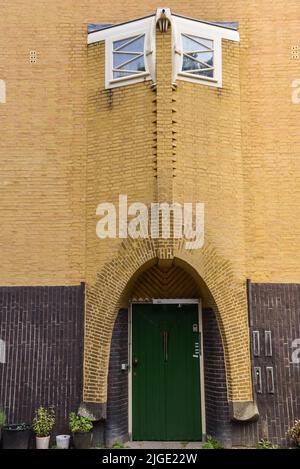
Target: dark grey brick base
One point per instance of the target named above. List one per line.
(116, 428)
(216, 403)
(43, 331)
(275, 309)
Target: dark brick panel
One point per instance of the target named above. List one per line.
(218, 423)
(276, 308)
(117, 406)
(43, 331)
(217, 409)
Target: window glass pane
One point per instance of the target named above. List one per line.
(207, 57)
(196, 44)
(137, 65)
(190, 64)
(128, 56)
(205, 73)
(120, 74)
(119, 59)
(198, 56)
(118, 44)
(131, 44)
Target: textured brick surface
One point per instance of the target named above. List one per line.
(235, 149)
(43, 132)
(276, 308)
(43, 331)
(169, 128)
(216, 402)
(116, 428)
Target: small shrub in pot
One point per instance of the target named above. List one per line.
(294, 433)
(81, 430)
(2, 421)
(16, 436)
(266, 444)
(43, 423)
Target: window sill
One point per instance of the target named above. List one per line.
(129, 79)
(197, 77)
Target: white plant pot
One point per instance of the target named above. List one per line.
(63, 441)
(42, 442)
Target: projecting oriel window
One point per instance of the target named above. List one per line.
(130, 49)
(197, 56)
(128, 57)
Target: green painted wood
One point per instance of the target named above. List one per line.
(166, 378)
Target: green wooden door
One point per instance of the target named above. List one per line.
(165, 373)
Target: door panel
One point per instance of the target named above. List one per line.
(165, 373)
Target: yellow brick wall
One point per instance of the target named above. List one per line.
(120, 152)
(43, 133)
(48, 209)
(157, 141)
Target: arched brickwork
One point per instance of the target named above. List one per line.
(217, 284)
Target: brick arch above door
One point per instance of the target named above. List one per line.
(157, 283)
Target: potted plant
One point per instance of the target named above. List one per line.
(81, 430)
(16, 436)
(2, 421)
(294, 434)
(62, 441)
(43, 423)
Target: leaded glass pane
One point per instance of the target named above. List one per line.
(198, 56)
(128, 56)
(196, 44)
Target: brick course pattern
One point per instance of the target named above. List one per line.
(275, 308)
(67, 144)
(43, 331)
(116, 428)
(160, 122)
(44, 125)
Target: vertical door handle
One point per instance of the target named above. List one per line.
(166, 345)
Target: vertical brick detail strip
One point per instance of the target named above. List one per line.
(43, 331)
(117, 404)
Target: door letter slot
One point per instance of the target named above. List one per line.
(256, 343)
(258, 380)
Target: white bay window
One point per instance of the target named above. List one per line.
(197, 49)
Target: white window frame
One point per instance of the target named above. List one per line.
(205, 31)
(145, 26)
(131, 57)
(213, 50)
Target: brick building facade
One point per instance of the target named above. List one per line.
(78, 130)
